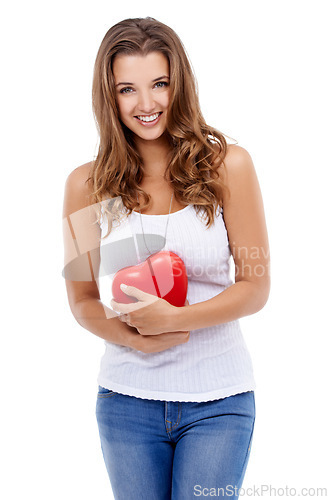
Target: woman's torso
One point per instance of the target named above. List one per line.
(215, 362)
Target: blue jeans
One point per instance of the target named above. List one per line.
(165, 450)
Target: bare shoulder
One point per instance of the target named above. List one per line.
(80, 174)
(237, 160)
(238, 171)
(236, 153)
(77, 189)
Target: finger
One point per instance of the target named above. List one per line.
(128, 308)
(137, 293)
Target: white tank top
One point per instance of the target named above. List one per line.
(215, 362)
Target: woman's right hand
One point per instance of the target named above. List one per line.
(160, 342)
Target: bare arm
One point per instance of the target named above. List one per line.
(245, 222)
(81, 247)
(89, 313)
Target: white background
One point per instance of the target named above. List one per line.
(260, 67)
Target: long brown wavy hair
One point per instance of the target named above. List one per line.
(197, 150)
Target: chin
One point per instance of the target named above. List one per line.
(149, 135)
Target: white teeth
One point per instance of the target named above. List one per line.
(148, 118)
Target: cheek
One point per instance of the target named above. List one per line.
(123, 107)
(166, 100)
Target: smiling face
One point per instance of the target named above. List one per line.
(142, 93)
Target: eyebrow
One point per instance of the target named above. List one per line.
(130, 83)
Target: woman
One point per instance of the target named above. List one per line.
(175, 404)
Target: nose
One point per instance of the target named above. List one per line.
(146, 102)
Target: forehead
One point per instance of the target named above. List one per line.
(132, 68)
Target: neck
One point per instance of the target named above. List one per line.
(154, 154)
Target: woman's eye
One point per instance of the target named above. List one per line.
(165, 84)
(122, 91)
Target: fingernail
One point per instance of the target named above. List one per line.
(124, 286)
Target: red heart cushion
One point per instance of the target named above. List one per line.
(162, 274)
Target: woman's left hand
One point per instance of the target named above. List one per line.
(151, 315)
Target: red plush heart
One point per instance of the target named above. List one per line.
(162, 274)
